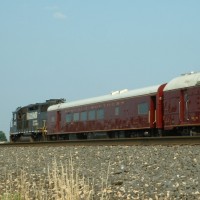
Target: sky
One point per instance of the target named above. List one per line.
(77, 49)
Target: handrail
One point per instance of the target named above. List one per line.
(187, 110)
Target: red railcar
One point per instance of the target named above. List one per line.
(182, 105)
(120, 114)
(168, 109)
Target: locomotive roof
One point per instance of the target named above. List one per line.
(113, 96)
(184, 81)
(47, 103)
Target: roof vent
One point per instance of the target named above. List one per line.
(115, 92)
(192, 72)
(123, 91)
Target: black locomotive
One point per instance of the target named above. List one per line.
(29, 122)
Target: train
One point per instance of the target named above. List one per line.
(168, 109)
(29, 122)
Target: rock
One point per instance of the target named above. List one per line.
(117, 182)
(131, 172)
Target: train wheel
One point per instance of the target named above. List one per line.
(14, 138)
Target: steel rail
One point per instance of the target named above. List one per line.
(163, 141)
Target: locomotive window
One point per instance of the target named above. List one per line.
(91, 115)
(116, 110)
(76, 117)
(100, 114)
(83, 116)
(143, 108)
(68, 117)
(35, 107)
(43, 108)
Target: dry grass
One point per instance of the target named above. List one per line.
(62, 182)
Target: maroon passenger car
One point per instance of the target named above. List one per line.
(120, 114)
(182, 105)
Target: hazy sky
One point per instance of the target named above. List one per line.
(84, 48)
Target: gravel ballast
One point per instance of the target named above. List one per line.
(118, 172)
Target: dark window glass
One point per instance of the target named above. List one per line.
(186, 97)
(68, 117)
(143, 108)
(52, 118)
(100, 114)
(76, 117)
(91, 115)
(117, 111)
(83, 116)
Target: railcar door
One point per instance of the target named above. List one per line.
(152, 112)
(184, 107)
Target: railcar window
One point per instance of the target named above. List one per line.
(68, 117)
(186, 97)
(91, 115)
(53, 119)
(116, 111)
(83, 116)
(143, 108)
(76, 117)
(100, 114)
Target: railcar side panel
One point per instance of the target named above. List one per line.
(171, 109)
(192, 106)
(124, 114)
(182, 109)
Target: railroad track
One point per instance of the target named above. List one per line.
(164, 141)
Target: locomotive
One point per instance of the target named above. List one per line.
(29, 122)
(168, 109)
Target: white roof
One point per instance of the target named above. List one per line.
(183, 81)
(113, 96)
